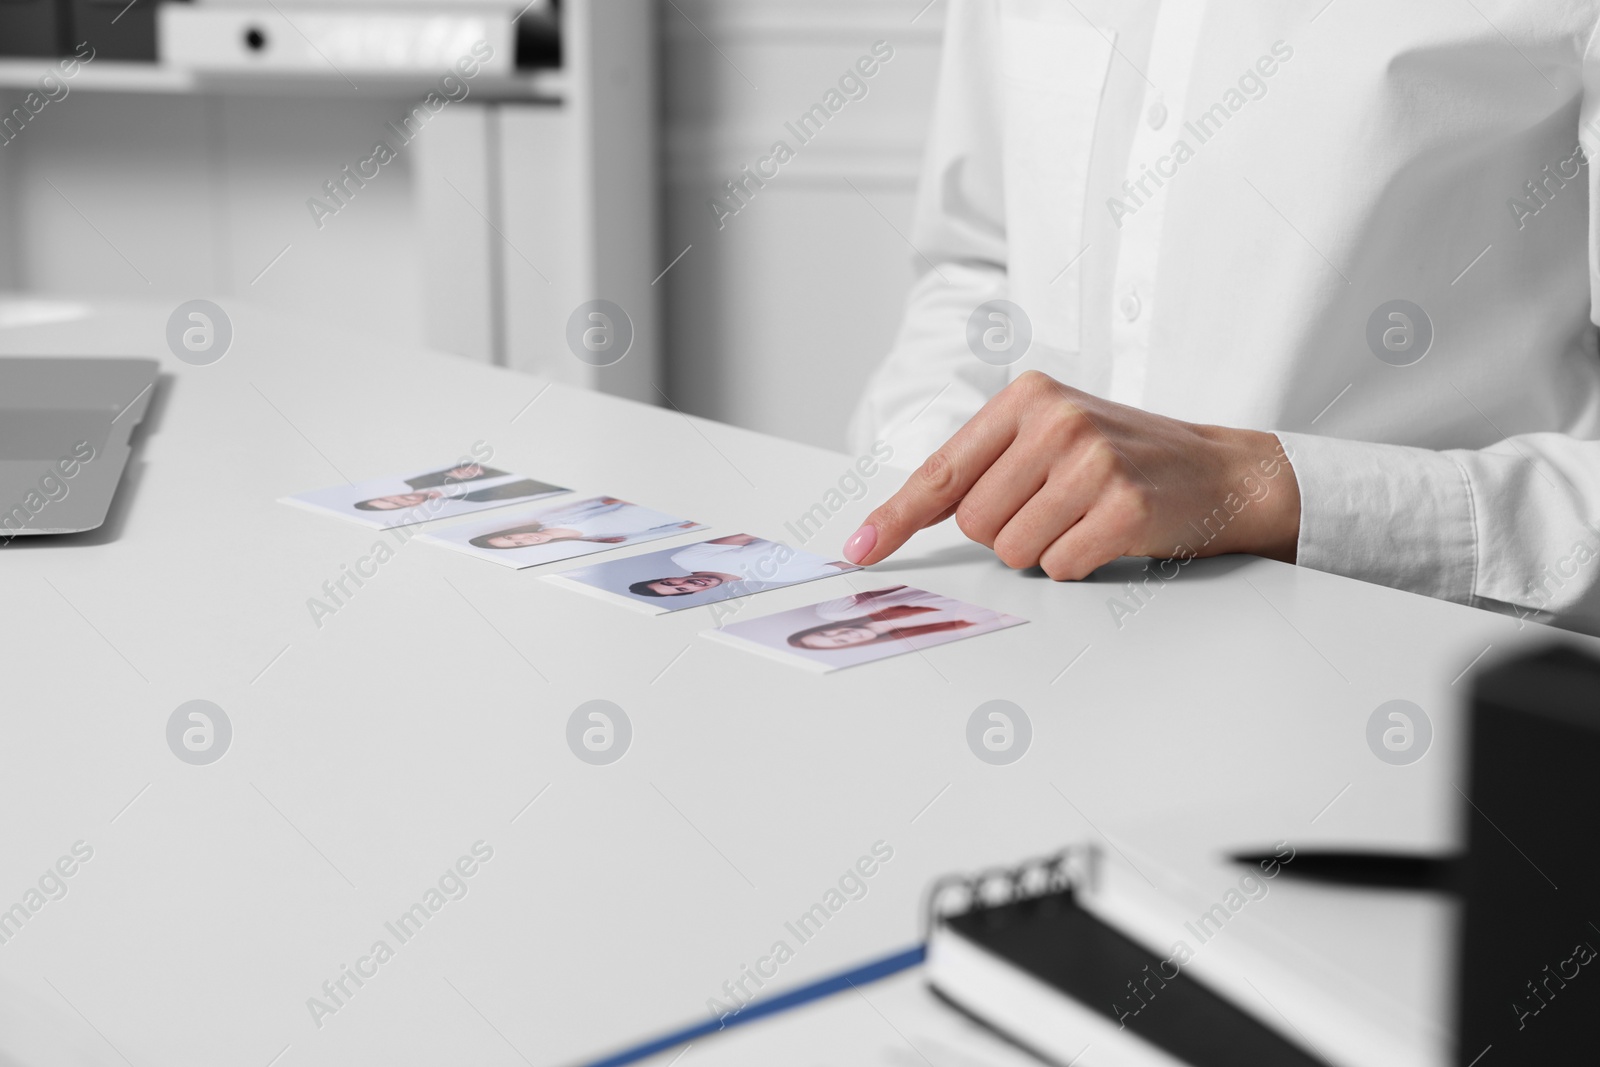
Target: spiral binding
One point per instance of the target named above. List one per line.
(957, 894)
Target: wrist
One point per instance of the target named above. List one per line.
(1279, 535)
(1262, 482)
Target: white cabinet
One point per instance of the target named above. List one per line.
(498, 214)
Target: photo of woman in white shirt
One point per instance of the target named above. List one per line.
(897, 613)
(864, 627)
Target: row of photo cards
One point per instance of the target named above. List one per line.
(842, 632)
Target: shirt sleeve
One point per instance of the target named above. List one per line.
(771, 563)
(802, 567)
(625, 520)
(1510, 527)
(567, 513)
(1514, 526)
(931, 383)
(844, 607)
(695, 557)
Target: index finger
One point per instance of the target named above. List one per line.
(936, 488)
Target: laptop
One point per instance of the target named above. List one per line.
(65, 425)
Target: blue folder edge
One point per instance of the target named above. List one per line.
(822, 987)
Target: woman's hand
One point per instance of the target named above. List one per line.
(1052, 477)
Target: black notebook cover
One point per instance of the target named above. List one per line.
(1059, 943)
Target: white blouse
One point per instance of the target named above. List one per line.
(1216, 212)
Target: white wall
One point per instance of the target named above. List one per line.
(774, 321)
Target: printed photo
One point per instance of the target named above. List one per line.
(444, 493)
(703, 573)
(864, 627)
(527, 538)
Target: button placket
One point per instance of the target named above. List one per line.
(1171, 58)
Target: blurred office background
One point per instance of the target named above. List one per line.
(179, 163)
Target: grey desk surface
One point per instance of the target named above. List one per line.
(372, 751)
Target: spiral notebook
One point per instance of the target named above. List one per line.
(1076, 958)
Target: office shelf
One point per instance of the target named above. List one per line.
(526, 200)
(106, 75)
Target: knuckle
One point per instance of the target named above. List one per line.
(1137, 506)
(1014, 554)
(1101, 460)
(1032, 380)
(1032, 386)
(971, 521)
(938, 472)
(1063, 424)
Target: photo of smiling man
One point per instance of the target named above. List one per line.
(723, 568)
(564, 531)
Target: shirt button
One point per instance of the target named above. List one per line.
(1157, 115)
(1130, 305)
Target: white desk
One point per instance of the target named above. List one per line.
(370, 754)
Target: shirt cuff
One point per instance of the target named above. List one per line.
(1388, 514)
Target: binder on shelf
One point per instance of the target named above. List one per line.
(300, 38)
(33, 28)
(116, 29)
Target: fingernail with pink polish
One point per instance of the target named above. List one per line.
(861, 544)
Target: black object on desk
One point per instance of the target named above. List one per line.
(1368, 868)
(1529, 985)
